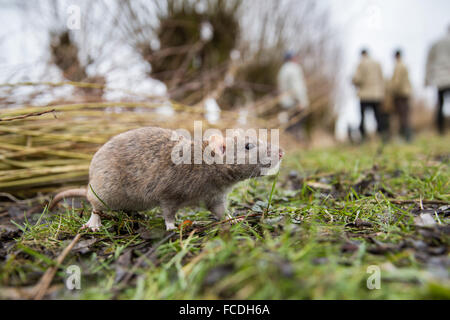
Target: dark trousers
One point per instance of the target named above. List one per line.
(440, 119)
(381, 118)
(302, 127)
(402, 110)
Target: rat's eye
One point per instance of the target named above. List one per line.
(249, 146)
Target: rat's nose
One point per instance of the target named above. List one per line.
(281, 153)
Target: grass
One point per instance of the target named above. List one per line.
(328, 217)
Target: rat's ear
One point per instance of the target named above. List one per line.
(217, 143)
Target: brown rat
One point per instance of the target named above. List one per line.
(135, 171)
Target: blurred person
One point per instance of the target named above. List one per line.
(369, 81)
(292, 88)
(401, 89)
(387, 108)
(438, 75)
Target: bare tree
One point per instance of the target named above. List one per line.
(187, 43)
(77, 53)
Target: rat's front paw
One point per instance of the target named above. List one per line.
(170, 226)
(94, 223)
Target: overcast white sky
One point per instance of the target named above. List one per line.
(379, 25)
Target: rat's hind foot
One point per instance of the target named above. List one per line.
(94, 223)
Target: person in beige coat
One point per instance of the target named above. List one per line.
(438, 74)
(369, 81)
(293, 95)
(401, 89)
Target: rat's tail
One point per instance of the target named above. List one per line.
(72, 193)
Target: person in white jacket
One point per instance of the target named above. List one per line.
(291, 84)
(438, 74)
(292, 89)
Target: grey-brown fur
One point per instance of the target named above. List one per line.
(134, 172)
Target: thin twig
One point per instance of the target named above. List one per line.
(33, 114)
(14, 199)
